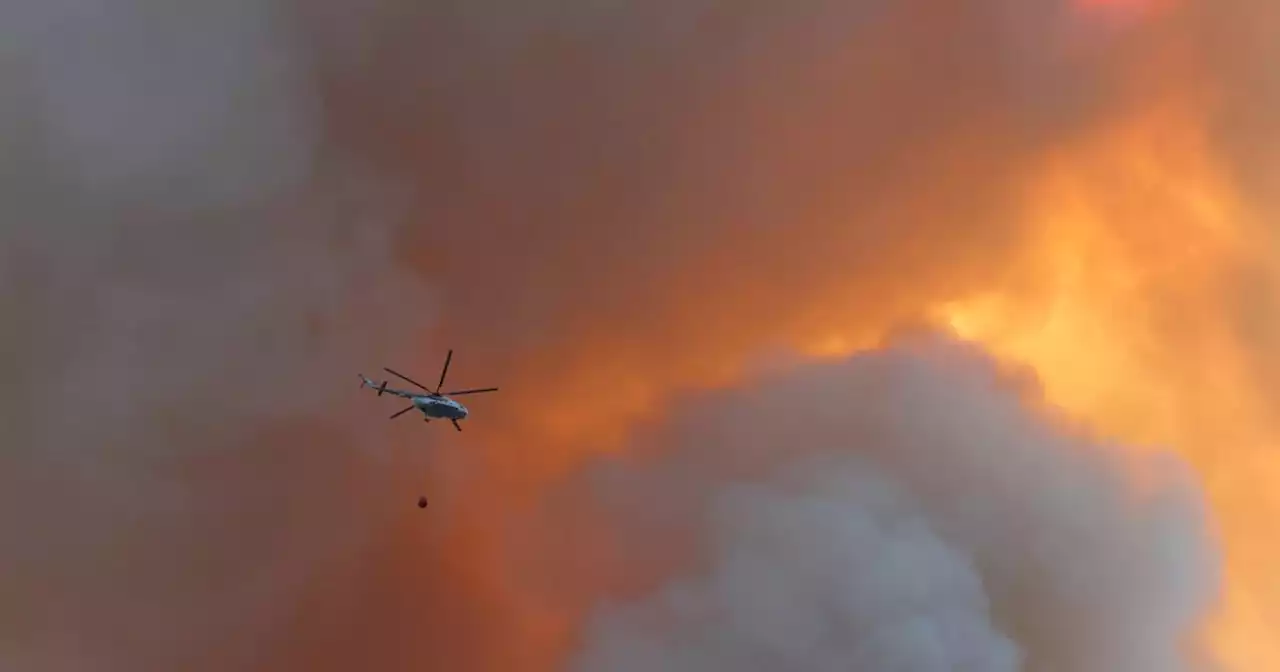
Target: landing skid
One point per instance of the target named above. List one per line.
(455, 423)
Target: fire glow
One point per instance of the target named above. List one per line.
(1118, 303)
(1121, 302)
(612, 208)
(1129, 328)
(1121, 307)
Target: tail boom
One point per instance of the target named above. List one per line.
(380, 387)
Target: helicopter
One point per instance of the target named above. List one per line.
(434, 405)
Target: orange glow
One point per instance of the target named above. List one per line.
(1123, 307)
(1120, 301)
(1124, 298)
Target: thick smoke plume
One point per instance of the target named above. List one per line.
(215, 214)
(903, 511)
(192, 274)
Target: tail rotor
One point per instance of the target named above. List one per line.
(380, 387)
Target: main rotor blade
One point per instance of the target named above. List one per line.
(400, 413)
(445, 370)
(406, 378)
(459, 392)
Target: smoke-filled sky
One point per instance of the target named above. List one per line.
(695, 244)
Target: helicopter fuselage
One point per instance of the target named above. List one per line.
(440, 406)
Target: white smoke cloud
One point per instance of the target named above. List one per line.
(906, 511)
(834, 569)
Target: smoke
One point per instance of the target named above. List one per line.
(903, 511)
(192, 276)
(216, 214)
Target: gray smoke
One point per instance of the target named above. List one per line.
(903, 511)
(216, 213)
(192, 278)
(830, 568)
